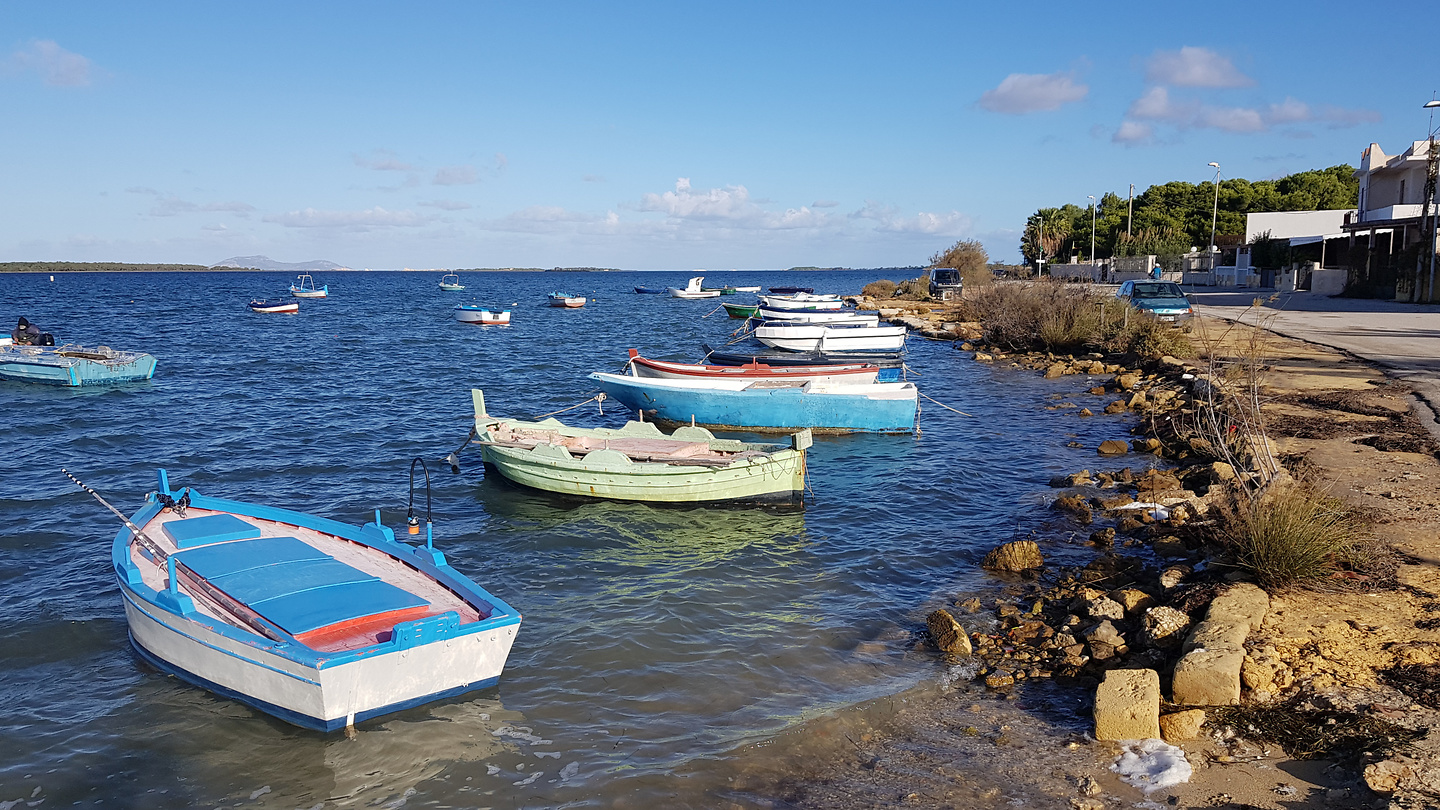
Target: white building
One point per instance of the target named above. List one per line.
(1391, 221)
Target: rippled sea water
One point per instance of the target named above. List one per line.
(655, 640)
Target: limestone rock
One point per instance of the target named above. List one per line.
(999, 679)
(1220, 471)
(1242, 602)
(1182, 725)
(1153, 481)
(947, 633)
(1104, 632)
(1105, 608)
(1126, 381)
(1137, 401)
(1215, 634)
(1086, 412)
(1132, 599)
(1020, 555)
(1208, 677)
(1103, 538)
(1173, 576)
(1055, 370)
(1079, 479)
(1383, 777)
(1151, 445)
(971, 605)
(982, 357)
(1087, 804)
(1127, 705)
(1164, 627)
(1115, 407)
(1075, 505)
(1113, 447)
(1098, 390)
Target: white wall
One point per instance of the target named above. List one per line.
(1290, 224)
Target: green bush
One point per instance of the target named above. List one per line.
(1292, 534)
(914, 289)
(884, 288)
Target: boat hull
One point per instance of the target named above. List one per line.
(51, 366)
(676, 292)
(853, 374)
(828, 316)
(811, 304)
(776, 475)
(568, 303)
(321, 293)
(811, 338)
(324, 698)
(484, 317)
(741, 310)
(879, 408)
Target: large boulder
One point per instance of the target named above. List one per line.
(1180, 726)
(1127, 705)
(1164, 627)
(1020, 555)
(947, 633)
(1113, 447)
(1206, 677)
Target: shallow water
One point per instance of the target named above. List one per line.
(655, 640)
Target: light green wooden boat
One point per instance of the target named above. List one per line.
(638, 462)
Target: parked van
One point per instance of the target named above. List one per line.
(945, 283)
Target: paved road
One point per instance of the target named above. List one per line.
(1402, 338)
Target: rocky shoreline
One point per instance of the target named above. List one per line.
(1161, 636)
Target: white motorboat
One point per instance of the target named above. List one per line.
(826, 316)
(693, 290)
(805, 301)
(804, 337)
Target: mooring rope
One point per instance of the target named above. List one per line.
(713, 311)
(943, 405)
(600, 398)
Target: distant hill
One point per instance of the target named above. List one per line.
(267, 263)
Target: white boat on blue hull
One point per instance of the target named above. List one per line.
(313, 621)
(807, 337)
(802, 301)
(832, 316)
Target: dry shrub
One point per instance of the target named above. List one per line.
(1292, 533)
(884, 288)
(1058, 317)
(1305, 732)
(914, 289)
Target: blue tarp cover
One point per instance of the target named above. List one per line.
(198, 531)
(294, 585)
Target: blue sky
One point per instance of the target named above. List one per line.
(656, 136)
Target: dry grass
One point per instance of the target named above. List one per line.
(1292, 533)
(1067, 318)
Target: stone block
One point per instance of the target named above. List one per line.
(947, 633)
(1217, 634)
(1127, 705)
(1182, 725)
(1243, 602)
(1208, 677)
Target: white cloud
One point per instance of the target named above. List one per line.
(1133, 132)
(730, 206)
(889, 219)
(825, 204)
(383, 160)
(447, 205)
(1194, 67)
(1021, 93)
(592, 178)
(56, 66)
(376, 217)
(455, 176)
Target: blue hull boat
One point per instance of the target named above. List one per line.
(768, 406)
(74, 366)
(316, 622)
(651, 290)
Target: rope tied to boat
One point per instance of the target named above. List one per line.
(598, 398)
(943, 405)
(712, 312)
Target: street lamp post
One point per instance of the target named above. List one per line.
(1092, 230)
(1432, 163)
(1214, 214)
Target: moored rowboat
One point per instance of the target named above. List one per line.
(802, 301)
(567, 301)
(308, 619)
(768, 405)
(305, 288)
(694, 290)
(637, 462)
(474, 313)
(741, 310)
(851, 374)
(282, 305)
(804, 337)
(829, 316)
(71, 365)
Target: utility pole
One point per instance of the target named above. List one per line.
(1130, 211)
(1092, 229)
(1214, 214)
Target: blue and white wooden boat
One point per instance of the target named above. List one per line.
(802, 301)
(451, 283)
(650, 290)
(824, 337)
(72, 365)
(314, 621)
(829, 316)
(305, 288)
(768, 405)
(474, 313)
(287, 306)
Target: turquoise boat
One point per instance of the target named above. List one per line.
(637, 462)
(74, 366)
(766, 406)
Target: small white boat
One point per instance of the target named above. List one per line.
(693, 290)
(305, 288)
(566, 301)
(451, 283)
(826, 316)
(474, 313)
(798, 337)
(282, 305)
(802, 301)
(754, 289)
(317, 622)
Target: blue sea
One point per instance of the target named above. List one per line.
(656, 641)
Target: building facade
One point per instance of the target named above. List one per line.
(1392, 241)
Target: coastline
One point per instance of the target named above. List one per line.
(1313, 644)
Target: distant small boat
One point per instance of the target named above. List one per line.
(317, 622)
(721, 290)
(567, 301)
(754, 289)
(474, 313)
(650, 290)
(694, 290)
(637, 462)
(451, 283)
(741, 310)
(72, 365)
(285, 305)
(851, 374)
(306, 288)
(789, 290)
